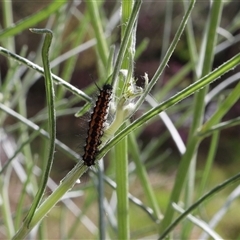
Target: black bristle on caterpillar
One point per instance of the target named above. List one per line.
(96, 125)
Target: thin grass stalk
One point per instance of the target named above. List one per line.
(5, 206)
(189, 189)
(7, 22)
(142, 174)
(166, 31)
(121, 159)
(121, 149)
(191, 43)
(100, 189)
(189, 195)
(102, 49)
(208, 165)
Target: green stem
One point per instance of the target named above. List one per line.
(121, 149)
(125, 40)
(7, 22)
(142, 174)
(122, 189)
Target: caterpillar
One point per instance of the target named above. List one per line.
(96, 125)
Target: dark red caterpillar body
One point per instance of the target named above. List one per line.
(96, 125)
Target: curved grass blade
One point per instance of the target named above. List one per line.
(51, 122)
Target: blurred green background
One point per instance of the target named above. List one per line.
(158, 22)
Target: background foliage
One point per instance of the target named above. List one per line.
(188, 146)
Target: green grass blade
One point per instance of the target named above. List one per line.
(122, 190)
(142, 174)
(5, 206)
(209, 162)
(8, 21)
(121, 149)
(103, 52)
